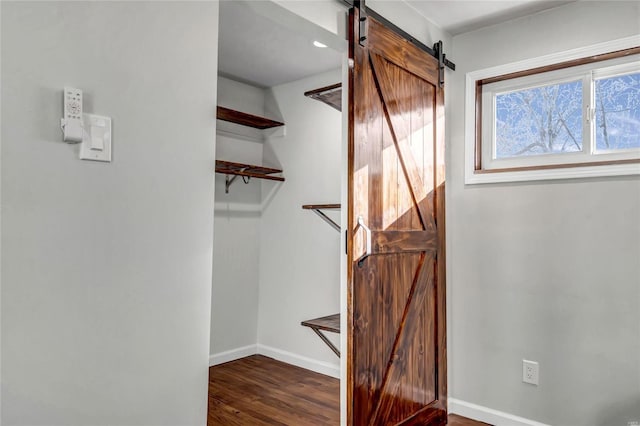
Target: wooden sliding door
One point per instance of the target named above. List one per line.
(397, 337)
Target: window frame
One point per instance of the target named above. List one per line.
(563, 66)
(488, 162)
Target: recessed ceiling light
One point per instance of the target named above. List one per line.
(318, 44)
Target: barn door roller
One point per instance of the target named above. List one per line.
(437, 48)
(436, 51)
(362, 25)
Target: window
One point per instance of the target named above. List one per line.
(582, 114)
(617, 111)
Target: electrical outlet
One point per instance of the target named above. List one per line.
(530, 371)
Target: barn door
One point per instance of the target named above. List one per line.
(397, 340)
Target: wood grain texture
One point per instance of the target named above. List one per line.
(321, 206)
(329, 323)
(355, 56)
(388, 242)
(396, 368)
(477, 157)
(258, 391)
(247, 170)
(561, 65)
(400, 51)
(245, 119)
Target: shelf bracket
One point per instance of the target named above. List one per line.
(329, 323)
(317, 209)
(327, 219)
(228, 180)
(326, 341)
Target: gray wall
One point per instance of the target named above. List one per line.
(236, 252)
(299, 253)
(106, 268)
(547, 271)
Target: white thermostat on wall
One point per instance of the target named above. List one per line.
(96, 138)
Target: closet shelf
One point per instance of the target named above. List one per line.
(330, 323)
(245, 119)
(330, 95)
(246, 171)
(321, 206)
(317, 209)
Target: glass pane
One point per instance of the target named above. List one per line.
(541, 120)
(618, 112)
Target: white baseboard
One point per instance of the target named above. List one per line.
(488, 415)
(232, 355)
(321, 367)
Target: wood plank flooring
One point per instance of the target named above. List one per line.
(257, 391)
(262, 391)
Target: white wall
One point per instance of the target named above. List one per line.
(234, 299)
(239, 144)
(546, 271)
(327, 14)
(236, 256)
(412, 21)
(106, 268)
(331, 16)
(299, 253)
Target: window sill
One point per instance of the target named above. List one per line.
(565, 172)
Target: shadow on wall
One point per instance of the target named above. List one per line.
(625, 413)
(271, 107)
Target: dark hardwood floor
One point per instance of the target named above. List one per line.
(262, 391)
(257, 390)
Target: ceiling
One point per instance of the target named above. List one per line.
(460, 16)
(256, 50)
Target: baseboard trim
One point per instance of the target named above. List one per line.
(232, 355)
(321, 367)
(488, 415)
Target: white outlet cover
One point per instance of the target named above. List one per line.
(530, 372)
(96, 134)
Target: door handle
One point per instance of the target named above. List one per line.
(367, 233)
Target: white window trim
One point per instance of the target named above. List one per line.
(489, 128)
(473, 177)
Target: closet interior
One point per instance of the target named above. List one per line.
(276, 273)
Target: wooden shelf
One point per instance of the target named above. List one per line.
(317, 210)
(330, 95)
(245, 119)
(321, 207)
(330, 323)
(246, 171)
